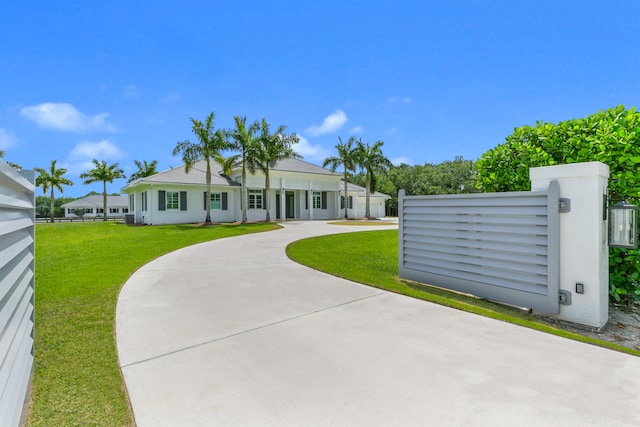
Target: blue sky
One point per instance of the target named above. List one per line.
(118, 81)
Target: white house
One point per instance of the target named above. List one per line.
(356, 201)
(298, 190)
(117, 207)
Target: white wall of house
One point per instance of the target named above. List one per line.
(176, 213)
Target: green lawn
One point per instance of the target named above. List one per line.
(371, 257)
(80, 268)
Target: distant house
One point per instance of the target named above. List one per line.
(299, 190)
(93, 206)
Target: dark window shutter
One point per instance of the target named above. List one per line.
(224, 202)
(341, 202)
(324, 200)
(264, 199)
(306, 199)
(350, 202)
(204, 199)
(162, 204)
(183, 200)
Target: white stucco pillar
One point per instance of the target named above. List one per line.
(584, 251)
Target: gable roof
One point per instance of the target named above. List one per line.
(362, 192)
(97, 202)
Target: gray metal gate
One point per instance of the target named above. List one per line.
(500, 246)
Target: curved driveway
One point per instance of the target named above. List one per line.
(233, 333)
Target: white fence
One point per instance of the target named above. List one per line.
(17, 233)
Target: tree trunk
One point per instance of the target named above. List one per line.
(346, 199)
(367, 213)
(52, 206)
(104, 199)
(244, 200)
(267, 187)
(207, 220)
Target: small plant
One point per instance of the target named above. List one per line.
(79, 212)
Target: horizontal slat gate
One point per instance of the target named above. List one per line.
(16, 291)
(499, 246)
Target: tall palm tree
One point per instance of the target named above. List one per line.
(371, 159)
(103, 173)
(245, 140)
(209, 147)
(144, 169)
(347, 158)
(270, 149)
(53, 178)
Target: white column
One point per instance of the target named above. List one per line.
(584, 252)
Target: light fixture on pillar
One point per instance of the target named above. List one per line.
(623, 225)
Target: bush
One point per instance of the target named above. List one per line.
(611, 137)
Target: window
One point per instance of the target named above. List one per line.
(132, 199)
(99, 210)
(114, 210)
(216, 201)
(144, 201)
(317, 200)
(255, 199)
(88, 210)
(350, 204)
(173, 200)
(125, 210)
(69, 210)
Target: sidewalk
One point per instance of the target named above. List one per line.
(232, 332)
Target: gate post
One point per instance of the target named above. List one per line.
(584, 253)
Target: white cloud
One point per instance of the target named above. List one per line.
(399, 160)
(7, 139)
(101, 150)
(131, 92)
(331, 123)
(309, 151)
(356, 130)
(399, 100)
(63, 116)
(391, 132)
(79, 160)
(172, 97)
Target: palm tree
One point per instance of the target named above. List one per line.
(209, 146)
(245, 141)
(144, 170)
(271, 148)
(103, 173)
(371, 159)
(347, 158)
(53, 178)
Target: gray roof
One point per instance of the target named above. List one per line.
(361, 190)
(197, 173)
(97, 202)
(300, 166)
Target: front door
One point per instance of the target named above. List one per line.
(290, 204)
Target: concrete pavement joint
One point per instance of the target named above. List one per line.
(320, 310)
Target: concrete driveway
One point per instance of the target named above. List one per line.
(233, 333)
